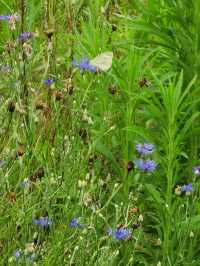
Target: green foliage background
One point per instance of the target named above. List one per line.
(84, 139)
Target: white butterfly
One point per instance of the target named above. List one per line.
(103, 61)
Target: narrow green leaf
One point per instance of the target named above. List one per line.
(155, 194)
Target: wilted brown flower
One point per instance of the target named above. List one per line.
(38, 174)
(11, 106)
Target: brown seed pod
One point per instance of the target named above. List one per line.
(20, 150)
(49, 33)
(114, 27)
(53, 136)
(47, 112)
(27, 49)
(143, 82)
(11, 196)
(11, 106)
(130, 166)
(120, 226)
(9, 46)
(59, 96)
(40, 105)
(38, 174)
(112, 89)
(92, 159)
(135, 225)
(84, 135)
(133, 211)
(69, 88)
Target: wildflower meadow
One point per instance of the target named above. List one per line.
(100, 132)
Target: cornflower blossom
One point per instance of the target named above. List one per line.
(24, 36)
(120, 234)
(48, 82)
(8, 17)
(11, 19)
(145, 149)
(84, 65)
(74, 223)
(196, 170)
(17, 254)
(146, 165)
(5, 17)
(43, 222)
(187, 188)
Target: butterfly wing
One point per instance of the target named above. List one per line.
(103, 61)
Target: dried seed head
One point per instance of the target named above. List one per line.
(20, 150)
(92, 159)
(38, 174)
(59, 95)
(119, 226)
(84, 135)
(135, 225)
(143, 82)
(177, 190)
(9, 46)
(130, 166)
(28, 50)
(49, 33)
(11, 106)
(11, 197)
(112, 89)
(86, 117)
(133, 211)
(114, 27)
(69, 88)
(87, 199)
(40, 105)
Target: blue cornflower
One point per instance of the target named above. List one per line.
(146, 165)
(74, 223)
(110, 232)
(17, 253)
(43, 222)
(187, 188)
(120, 234)
(48, 82)
(5, 17)
(84, 65)
(145, 148)
(25, 36)
(196, 170)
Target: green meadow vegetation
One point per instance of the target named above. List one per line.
(100, 132)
